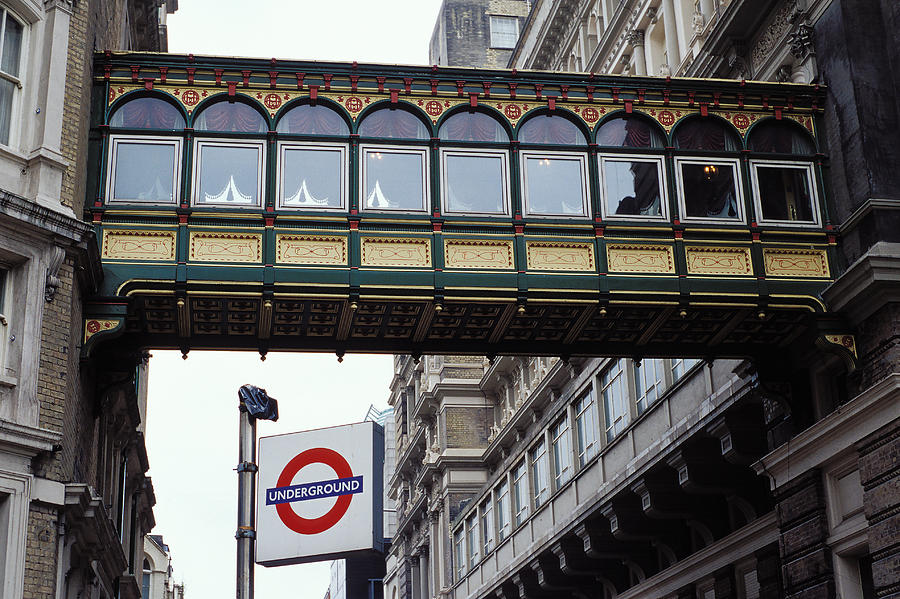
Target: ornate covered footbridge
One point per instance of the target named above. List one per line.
(274, 205)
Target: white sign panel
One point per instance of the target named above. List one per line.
(319, 494)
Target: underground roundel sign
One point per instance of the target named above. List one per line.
(319, 494)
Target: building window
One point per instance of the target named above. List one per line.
(562, 452)
(487, 526)
(630, 132)
(783, 193)
(459, 552)
(231, 117)
(520, 492)
(312, 120)
(554, 184)
(10, 63)
(145, 580)
(540, 478)
(472, 545)
(709, 190)
(504, 31)
(502, 506)
(633, 187)
(649, 381)
(228, 173)
(147, 113)
(586, 427)
(144, 170)
(614, 389)
(680, 366)
(312, 177)
(394, 178)
(475, 182)
(393, 123)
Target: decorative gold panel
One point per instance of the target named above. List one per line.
(795, 263)
(718, 261)
(558, 255)
(640, 258)
(848, 342)
(92, 326)
(226, 247)
(477, 253)
(130, 244)
(310, 249)
(399, 251)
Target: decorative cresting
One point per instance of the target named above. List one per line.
(667, 239)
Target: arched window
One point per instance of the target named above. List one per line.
(475, 178)
(783, 182)
(313, 120)
(229, 171)
(312, 175)
(146, 573)
(394, 177)
(145, 168)
(709, 188)
(633, 185)
(554, 182)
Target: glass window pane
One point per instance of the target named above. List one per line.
(709, 190)
(313, 120)
(7, 89)
(231, 116)
(554, 186)
(475, 183)
(229, 175)
(632, 188)
(504, 32)
(12, 47)
(311, 178)
(629, 132)
(706, 134)
(144, 172)
(397, 124)
(551, 130)
(649, 382)
(394, 180)
(147, 113)
(615, 394)
(472, 126)
(781, 138)
(784, 193)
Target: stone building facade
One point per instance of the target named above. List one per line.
(672, 478)
(477, 33)
(74, 501)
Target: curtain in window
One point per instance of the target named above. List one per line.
(234, 117)
(313, 120)
(148, 113)
(393, 123)
(779, 138)
(698, 134)
(473, 126)
(629, 133)
(551, 130)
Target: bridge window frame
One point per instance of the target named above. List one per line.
(658, 161)
(503, 155)
(734, 163)
(117, 140)
(758, 202)
(389, 149)
(552, 155)
(343, 151)
(197, 169)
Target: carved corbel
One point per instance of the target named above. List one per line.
(57, 254)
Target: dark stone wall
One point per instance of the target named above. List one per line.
(467, 28)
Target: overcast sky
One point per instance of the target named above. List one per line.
(192, 412)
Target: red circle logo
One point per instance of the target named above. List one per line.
(313, 526)
(272, 101)
(740, 121)
(353, 104)
(666, 118)
(512, 111)
(433, 108)
(590, 114)
(190, 97)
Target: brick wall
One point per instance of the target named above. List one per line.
(468, 31)
(468, 427)
(40, 553)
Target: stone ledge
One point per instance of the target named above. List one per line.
(868, 284)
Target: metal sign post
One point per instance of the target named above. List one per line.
(254, 404)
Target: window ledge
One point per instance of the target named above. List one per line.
(8, 381)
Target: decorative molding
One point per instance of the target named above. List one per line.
(310, 249)
(476, 253)
(57, 254)
(398, 251)
(132, 244)
(226, 247)
(640, 258)
(95, 326)
(718, 260)
(559, 255)
(796, 263)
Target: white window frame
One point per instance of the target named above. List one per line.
(15, 488)
(285, 146)
(586, 413)
(112, 159)
(660, 174)
(813, 193)
(561, 449)
(445, 184)
(459, 551)
(741, 218)
(487, 525)
(260, 146)
(581, 157)
(539, 496)
(364, 149)
(19, 81)
(502, 495)
(640, 389)
(504, 18)
(523, 501)
(619, 421)
(473, 539)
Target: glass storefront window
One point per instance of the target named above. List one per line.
(144, 170)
